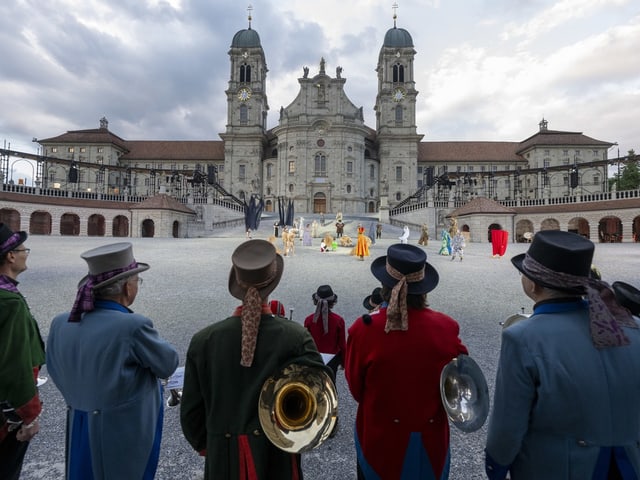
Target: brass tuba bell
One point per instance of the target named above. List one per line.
(298, 408)
(464, 393)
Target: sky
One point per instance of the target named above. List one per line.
(158, 69)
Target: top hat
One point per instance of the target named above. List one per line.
(372, 301)
(562, 252)
(255, 263)
(406, 259)
(108, 258)
(628, 296)
(5, 234)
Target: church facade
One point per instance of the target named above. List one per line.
(321, 155)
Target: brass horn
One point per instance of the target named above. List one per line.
(464, 393)
(298, 408)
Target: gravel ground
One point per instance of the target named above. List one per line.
(186, 289)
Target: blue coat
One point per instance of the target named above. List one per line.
(107, 368)
(561, 406)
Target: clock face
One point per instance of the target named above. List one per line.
(244, 94)
(398, 94)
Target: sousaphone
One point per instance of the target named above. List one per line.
(464, 392)
(298, 408)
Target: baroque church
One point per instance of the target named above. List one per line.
(321, 156)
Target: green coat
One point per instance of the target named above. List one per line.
(219, 408)
(21, 355)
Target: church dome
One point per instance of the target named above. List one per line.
(246, 39)
(397, 38)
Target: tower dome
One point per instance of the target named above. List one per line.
(246, 39)
(397, 38)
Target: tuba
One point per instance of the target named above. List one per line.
(516, 317)
(628, 296)
(464, 393)
(298, 408)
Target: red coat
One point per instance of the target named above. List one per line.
(334, 341)
(395, 378)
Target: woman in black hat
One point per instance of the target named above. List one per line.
(393, 364)
(567, 392)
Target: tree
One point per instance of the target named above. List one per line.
(630, 174)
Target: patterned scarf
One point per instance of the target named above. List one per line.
(322, 310)
(8, 284)
(606, 316)
(397, 315)
(10, 243)
(85, 297)
(252, 309)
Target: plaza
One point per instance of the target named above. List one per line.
(186, 289)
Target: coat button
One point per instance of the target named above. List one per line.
(396, 420)
(256, 433)
(96, 412)
(582, 443)
(227, 435)
(431, 420)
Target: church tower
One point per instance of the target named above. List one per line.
(247, 109)
(396, 116)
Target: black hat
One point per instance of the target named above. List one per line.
(324, 291)
(6, 245)
(406, 259)
(628, 296)
(372, 301)
(562, 252)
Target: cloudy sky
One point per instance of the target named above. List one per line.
(158, 69)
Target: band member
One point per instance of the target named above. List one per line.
(107, 362)
(566, 402)
(393, 364)
(21, 356)
(227, 365)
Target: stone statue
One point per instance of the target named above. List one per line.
(306, 72)
(338, 72)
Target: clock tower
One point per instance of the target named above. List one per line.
(396, 115)
(245, 135)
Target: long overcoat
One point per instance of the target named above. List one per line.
(108, 368)
(562, 407)
(402, 430)
(219, 408)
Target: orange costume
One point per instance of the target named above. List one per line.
(362, 247)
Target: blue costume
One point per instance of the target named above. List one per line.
(107, 367)
(562, 408)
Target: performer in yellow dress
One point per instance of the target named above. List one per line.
(362, 247)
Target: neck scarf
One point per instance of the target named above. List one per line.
(85, 297)
(606, 316)
(8, 284)
(397, 315)
(322, 310)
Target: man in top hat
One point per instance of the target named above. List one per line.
(21, 355)
(393, 363)
(227, 364)
(567, 391)
(327, 327)
(107, 362)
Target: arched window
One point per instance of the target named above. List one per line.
(244, 114)
(372, 172)
(269, 171)
(399, 114)
(398, 73)
(348, 188)
(320, 167)
(245, 73)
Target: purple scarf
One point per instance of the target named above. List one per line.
(85, 297)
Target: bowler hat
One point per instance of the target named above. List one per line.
(255, 263)
(628, 296)
(562, 252)
(109, 258)
(405, 259)
(372, 301)
(5, 234)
